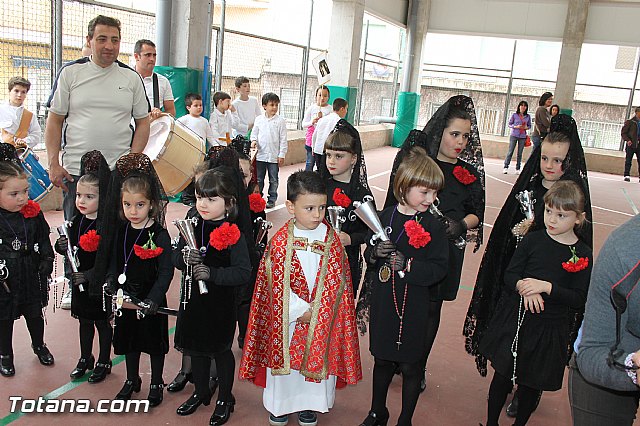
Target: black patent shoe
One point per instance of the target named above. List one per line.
(83, 365)
(43, 354)
(100, 372)
(129, 387)
(155, 395)
(191, 405)
(222, 413)
(179, 382)
(6, 366)
(374, 419)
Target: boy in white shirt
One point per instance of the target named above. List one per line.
(247, 108)
(19, 126)
(269, 134)
(194, 121)
(222, 118)
(325, 126)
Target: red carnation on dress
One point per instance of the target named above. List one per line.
(31, 209)
(341, 199)
(89, 242)
(257, 204)
(224, 236)
(575, 263)
(149, 250)
(463, 175)
(418, 237)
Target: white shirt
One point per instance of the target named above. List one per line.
(291, 393)
(10, 117)
(200, 126)
(98, 104)
(221, 124)
(247, 112)
(164, 89)
(312, 112)
(324, 127)
(271, 137)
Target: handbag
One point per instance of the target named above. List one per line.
(527, 141)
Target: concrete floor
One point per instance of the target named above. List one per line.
(455, 395)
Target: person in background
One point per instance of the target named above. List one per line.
(19, 126)
(222, 119)
(630, 132)
(325, 126)
(195, 121)
(519, 123)
(314, 113)
(555, 110)
(542, 119)
(247, 108)
(156, 86)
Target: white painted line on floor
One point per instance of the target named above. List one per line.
(612, 211)
(499, 180)
(379, 174)
(377, 188)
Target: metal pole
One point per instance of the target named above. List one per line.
(633, 91)
(302, 103)
(361, 82)
(57, 38)
(508, 97)
(163, 32)
(409, 56)
(219, 49)
(206, 66)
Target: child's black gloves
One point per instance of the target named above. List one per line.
(61, 245)
(150, 307)
(201, 272)
(193, 256)
(383, 249)
(78, 278)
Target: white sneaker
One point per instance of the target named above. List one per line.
(66, 301)
(505, 170)
(518, 171)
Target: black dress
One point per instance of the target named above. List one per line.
(456, 202)
(207, 324)
(543, 337)
(428, 267)
(28, 290)
(82, 304)
(146, 279)
(353, 226)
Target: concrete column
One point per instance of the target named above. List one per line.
(409, 96)
(345, 38)
(574, 29)
(188, 32)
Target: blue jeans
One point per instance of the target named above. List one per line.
(262, 167)
(512, 146)
(310, 159)
(536, 140)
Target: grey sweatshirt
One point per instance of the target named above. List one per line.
(618, 256)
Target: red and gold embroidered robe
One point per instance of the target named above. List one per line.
(328, 345)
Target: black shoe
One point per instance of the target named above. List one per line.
(155, 395)
(130, 386)
(374, 419)
(270, 205)
(83, 365)
(512, 409)
(7, 368)
(179, 382)
(222, 413)
(191, 405)
(44, 356)
(307, 418)
(100, 372)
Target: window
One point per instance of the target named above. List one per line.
(289, 106)
(626, 58)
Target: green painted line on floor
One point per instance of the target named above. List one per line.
(466, 287)
(56, 393)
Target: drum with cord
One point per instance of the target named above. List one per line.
(39, 182)
(174, 150)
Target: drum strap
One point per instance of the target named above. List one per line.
(156, 91)
(23, 128)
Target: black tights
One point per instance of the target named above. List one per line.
(226, 366)
(105, 334)
(35, 325)
(383, 372)
(132, 359)
(498, 391)
(433, 316)
(186, 366)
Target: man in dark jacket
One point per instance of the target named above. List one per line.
(630, 133)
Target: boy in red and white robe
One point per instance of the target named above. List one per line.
(301, 342)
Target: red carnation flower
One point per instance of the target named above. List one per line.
(341, 199)
(149, 250)
(31, 209)
(89, 242)
(575, 263)
(463, 175)
(257, 204)
(418, 237)
(224, 236)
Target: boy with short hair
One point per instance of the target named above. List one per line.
(325, 126)
(301, 341)
(19, 126)
(194, 120)
(269, 134)
(247, 107)
(222, 118)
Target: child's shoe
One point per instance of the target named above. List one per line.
(6, 365)
(307, 418)
(43, 354)
(278, 421)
